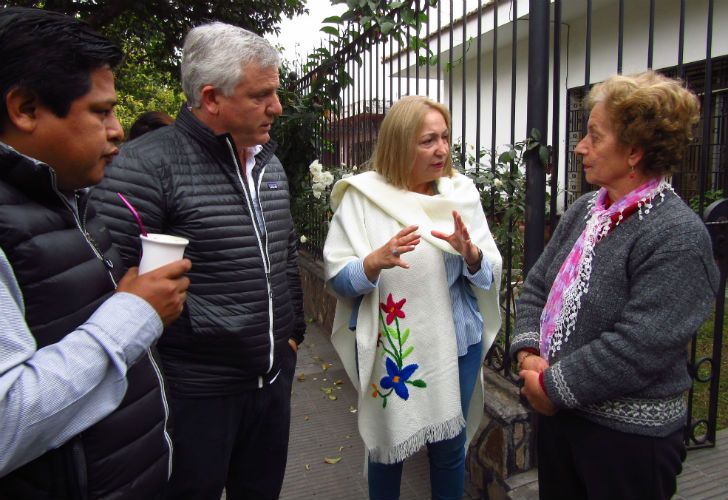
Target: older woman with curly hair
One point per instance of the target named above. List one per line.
(608, 310)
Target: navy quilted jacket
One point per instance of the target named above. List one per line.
(245, 299)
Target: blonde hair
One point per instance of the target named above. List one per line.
(394, 155)
(652, 112)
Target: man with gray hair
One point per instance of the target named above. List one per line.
(212, 178)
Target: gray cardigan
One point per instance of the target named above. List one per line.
(652, 285)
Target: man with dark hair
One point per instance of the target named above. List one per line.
(148, 121)
(81, 401)
(213, 177)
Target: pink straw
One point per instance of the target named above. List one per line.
(134, 213)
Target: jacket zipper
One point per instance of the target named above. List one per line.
(165, 406)
(263, 253)
(81, 224)
(108, 265)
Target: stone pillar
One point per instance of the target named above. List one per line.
(318, 303)
(501, 456)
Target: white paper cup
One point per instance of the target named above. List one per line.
(159, 250)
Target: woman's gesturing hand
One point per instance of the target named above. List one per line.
(460, 241)
(390, 254)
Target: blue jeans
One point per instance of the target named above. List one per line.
(447, 458)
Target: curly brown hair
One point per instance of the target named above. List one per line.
(652, 112)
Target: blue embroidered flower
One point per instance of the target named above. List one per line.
(396, 378)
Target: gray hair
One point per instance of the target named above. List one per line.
(216, 53)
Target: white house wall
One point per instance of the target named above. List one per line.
(603, 62)
(605, 27)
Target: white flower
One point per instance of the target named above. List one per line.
(498, 183)
(303, 238)
(328, 178)
(317, 194)
(323, 179)
(315, 167)
(353, 169)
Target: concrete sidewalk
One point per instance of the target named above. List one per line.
(323, 426)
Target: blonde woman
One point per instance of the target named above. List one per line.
(410, 255)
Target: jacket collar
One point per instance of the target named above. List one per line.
(190, 125)
(33, 177)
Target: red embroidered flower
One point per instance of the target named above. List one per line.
(392, 308)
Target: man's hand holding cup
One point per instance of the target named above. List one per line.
(165, 288)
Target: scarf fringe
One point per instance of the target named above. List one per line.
(555, 331)
(430, 434)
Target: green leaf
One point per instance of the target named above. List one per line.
(408, 351)
(333, 19)
(506, 156)
(392, 332)
(331, 30)
(535, 134)
(418, 383)
(408, 17)
(405, 336)
(396, 5)
(543, 154)
(386, 27)
(384, 402)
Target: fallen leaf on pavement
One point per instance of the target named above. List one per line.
(330, 460)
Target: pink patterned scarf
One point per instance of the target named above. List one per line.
(559, 314)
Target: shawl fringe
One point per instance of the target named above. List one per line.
(430, 434)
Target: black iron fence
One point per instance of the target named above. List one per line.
(511, 70)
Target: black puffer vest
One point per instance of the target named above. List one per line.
(66, 268)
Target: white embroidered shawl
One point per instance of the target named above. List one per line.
(407, 375)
